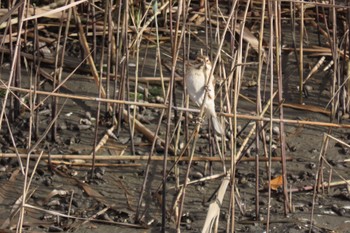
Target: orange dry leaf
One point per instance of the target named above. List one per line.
(276, 183)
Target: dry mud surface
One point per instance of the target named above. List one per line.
(62, 187)
(108, 201)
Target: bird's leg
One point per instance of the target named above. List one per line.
(207, 90)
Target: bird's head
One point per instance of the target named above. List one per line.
(204, 61)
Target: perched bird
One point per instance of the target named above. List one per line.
(197, 84)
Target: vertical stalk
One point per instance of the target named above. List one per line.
(301, 53)
(277, 11)
(258, 106)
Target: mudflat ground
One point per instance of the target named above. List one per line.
(65, 196)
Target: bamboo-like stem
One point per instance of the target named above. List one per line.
(134, 47)
(301, 54)
(129, 157)
(87, 98)
(278, 28)
(60, 60)
(174, 44)
(258, 102)
(288, 121)
(98, 112)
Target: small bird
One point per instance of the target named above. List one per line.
(197, 84)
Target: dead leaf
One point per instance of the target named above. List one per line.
(276, 183)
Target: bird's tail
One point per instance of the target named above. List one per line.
(217, 126)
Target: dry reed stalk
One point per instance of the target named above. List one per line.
(214, 208)
(57, 78)
(245, 141)
(55, 213)
(348, 84)
(278, 29)
(103, 140)
(87, 51)
(196, 130)
(8, 14)
(139, 126)
(212, 213)
(55, 13)
(259, 111)
(175, 49)
(147, 169)
(288, 121)
(7, 39)
(323, 185)
(87, 98)
(236, 57)
(318, 51)
(95, 164)
(315, 68)
(301, 54)
(14, 145)
(46, 59)
(109, 132)
(131, 157)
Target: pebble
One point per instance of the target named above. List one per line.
(159, 99)
(47, 181)
(308, 87)
(243, 180)
(196, 175)
(188, 226)
(83, 127)
(62, 125)
(84, 121)
(46, 112)
(159, 148)
(182, 145)
(137, 140)
(71, 141)
(54, 203)
(88, 115)
(144, 119)
(293, 148)
(77, 203)
(345, 151)
(315, 151)
(101, 170)
(3, 168)
(139, 152)
(338, 210)
(311, 165)
(345, 116)
(276, 130)
(55, 229)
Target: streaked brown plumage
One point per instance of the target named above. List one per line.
(196, 82)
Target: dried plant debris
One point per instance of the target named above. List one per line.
(97, 132)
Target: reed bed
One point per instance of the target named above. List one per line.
(112, 61)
